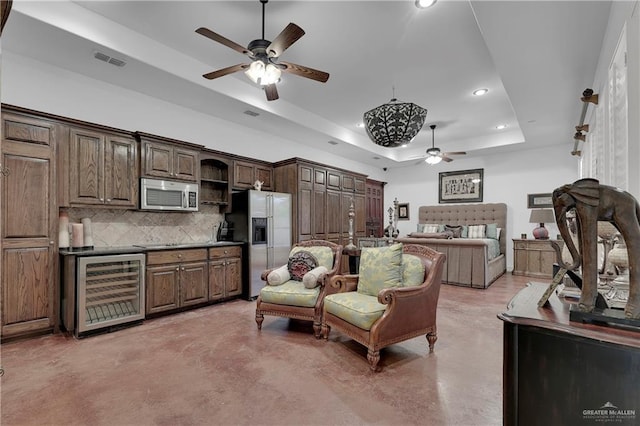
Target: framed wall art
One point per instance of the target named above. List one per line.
(403, 211)
(539, 201)
(463, 186)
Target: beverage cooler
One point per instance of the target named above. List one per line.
(109, 291)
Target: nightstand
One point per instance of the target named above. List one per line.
(534, 258)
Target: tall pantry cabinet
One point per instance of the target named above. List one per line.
(29, 224)
(321, 197)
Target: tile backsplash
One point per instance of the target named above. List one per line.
(113, 227)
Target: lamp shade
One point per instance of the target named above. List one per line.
(542, 216)
(395, 123)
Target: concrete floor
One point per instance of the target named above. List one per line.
(211, 366)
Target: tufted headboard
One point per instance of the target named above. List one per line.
(468, 214)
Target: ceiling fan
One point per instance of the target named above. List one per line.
(434, 155)
(265, 68)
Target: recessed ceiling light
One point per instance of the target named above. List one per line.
(423, 4)
(480, 92)
(361, 125)
(501, 126)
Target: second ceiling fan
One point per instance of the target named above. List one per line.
(434, 155)
(265, 68)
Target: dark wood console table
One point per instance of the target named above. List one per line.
(558, 372)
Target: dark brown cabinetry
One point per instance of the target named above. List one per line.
(103, 168)
(246, 173)
(176, 278)
(166, 158)
(321, 197)
(29, 225)
(214, 181)
(375, 208)
(562, 372)
(225, 272)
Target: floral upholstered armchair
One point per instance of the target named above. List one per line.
(297, 290)
(394, 298)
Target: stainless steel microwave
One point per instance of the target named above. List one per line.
(157, 194)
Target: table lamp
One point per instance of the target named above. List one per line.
(541, 216)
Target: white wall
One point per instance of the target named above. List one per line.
(32, 84)
(508, 178)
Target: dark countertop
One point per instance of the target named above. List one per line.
(143, 248)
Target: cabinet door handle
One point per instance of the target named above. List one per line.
(183, 268)
(108, 200)
(178, 268)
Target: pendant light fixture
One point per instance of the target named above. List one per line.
(395, 123)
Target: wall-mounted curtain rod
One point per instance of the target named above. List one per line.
(587, 97)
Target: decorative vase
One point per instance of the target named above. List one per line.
(619, 293)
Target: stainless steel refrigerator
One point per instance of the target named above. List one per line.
(262, 220)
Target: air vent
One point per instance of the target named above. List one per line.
(108, 59)
(251, 113)
(376, 158)
(332, 143)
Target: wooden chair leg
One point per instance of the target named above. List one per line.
(317, 329)
(431, 338)
(373, 357)
(259, 319)
(325, 331)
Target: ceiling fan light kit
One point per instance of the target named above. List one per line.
(265, 68)
(434, 155)
(394, 124)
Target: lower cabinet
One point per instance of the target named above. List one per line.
(176, 278)
(180, 278)
(225, 272)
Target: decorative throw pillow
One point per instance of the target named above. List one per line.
(430, 228)
(300, 263)
(380, 267)
(324, 254)
(492, 231)
(477, 231)
(278, 276)
(455, 230)
(310, 279)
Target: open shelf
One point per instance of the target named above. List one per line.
(214, 182)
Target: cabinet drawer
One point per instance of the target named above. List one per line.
(222, 252)
(520, 245)
(176, 256)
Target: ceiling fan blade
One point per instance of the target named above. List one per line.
(303, 71)
(455, 153)
(224, 71)
(445, 158)
(223, 40)
(272, 92)
(286, 38)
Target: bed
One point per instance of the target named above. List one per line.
(471, 262)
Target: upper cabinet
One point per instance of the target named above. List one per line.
(246, 173)
(164, 158)
(214, 181)
(322, 196)
(102, 169)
